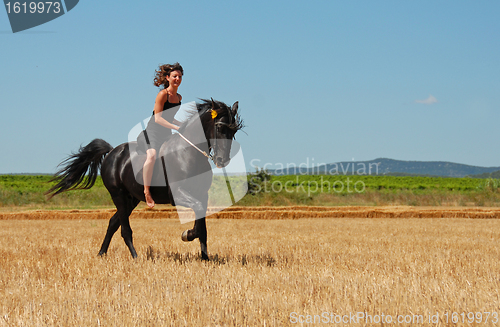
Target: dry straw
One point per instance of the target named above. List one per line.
(264, 212)
(261, 271)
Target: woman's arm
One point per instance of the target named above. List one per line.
(161, 98)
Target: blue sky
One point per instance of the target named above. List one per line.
(317, 81)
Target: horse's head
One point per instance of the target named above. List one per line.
(221, 124)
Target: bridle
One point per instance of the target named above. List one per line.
(212, 146)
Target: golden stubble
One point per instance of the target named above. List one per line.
(261, 271)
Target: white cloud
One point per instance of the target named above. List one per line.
(430, 100)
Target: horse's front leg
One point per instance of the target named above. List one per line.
(199, 230)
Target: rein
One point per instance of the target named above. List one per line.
(209, 156)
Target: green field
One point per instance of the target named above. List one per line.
(356, 183)
(371, 190)
(27, 191)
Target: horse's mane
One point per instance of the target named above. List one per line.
(222, 109)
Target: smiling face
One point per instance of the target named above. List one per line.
(175, 78)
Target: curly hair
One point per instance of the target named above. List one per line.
(163, 71)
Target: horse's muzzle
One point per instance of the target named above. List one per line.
(220, 162)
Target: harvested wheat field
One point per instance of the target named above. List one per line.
(265, 212)
(338, 271)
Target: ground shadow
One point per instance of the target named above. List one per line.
(182, 258)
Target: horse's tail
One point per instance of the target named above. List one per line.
(72, 175)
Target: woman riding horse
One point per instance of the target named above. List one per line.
(162, 121)
(185, 161)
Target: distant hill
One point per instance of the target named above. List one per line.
(384, 166)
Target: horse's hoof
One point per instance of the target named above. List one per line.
(185, 236)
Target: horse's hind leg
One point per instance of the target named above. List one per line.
(127, 235)
(114, 223)
(125, 204)
(130, 204)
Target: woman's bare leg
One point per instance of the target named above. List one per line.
(147, 174)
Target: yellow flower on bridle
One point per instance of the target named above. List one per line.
(214, 114)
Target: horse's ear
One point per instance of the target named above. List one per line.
(234, 109)
(213, 103)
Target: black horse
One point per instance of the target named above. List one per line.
(182, 157)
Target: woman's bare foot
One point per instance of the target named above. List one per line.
(149, 200)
